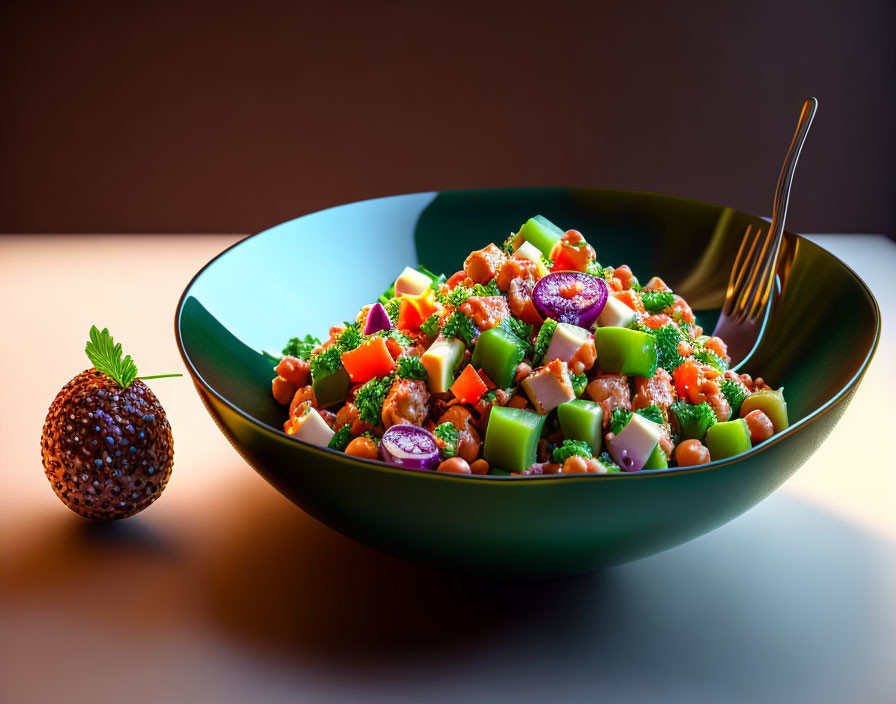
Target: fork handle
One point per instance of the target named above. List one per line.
(782, 191)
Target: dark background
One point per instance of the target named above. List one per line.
(180, 117)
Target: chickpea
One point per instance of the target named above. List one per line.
(518, 402)
(364, 448)
(691, 453)
(595, 467)
(455, 465)
(479, 467)
(575, 465)
(522, 371)
(760, 426)
(458, 416)
(685, 349)
(283, 390)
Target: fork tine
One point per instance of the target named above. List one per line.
(746, 299)
(742, 264)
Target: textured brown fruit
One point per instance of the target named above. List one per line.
(107, 451)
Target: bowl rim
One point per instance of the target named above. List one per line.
(380, 465)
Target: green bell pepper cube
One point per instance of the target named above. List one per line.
(657, 459)
(331, 388)
(625, 351)
(541, 232)
(728, 439)
(582, 420)
(771, 403)
(498, 472)
(498, 353)
(511, 438)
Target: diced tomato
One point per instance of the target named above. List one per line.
(687, 380)
(456, 279)
(413, 310)
(468, 387)
(656, 321)
(369, 360)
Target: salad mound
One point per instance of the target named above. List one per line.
(533, 359)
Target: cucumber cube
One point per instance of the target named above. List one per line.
(771, 403)
(625, 351)
(498, 353)
(332, 388)
(542, 233)
(657, 459)
(728, 439)
(440, 361)
(582, 420)
(511, 438)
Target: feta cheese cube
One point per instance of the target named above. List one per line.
(549, 386)
(311, 427)
(411, 282)
(565, 342)
(616, 314)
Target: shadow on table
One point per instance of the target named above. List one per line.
(782, 602)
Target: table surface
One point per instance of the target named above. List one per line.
(224, 591)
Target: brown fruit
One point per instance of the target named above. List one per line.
(107, 451)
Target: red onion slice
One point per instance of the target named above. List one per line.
(410, 446)
(377, 320)
(571, 297)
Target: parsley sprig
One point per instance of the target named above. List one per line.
(106, 355)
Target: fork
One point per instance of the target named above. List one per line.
(750, 292)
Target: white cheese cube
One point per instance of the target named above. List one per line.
(565, 342)
(631, 448)
(616, 314)
(411, 282)
(312, 428)
(440, 360)
(548, 387)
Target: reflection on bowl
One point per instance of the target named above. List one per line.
(300, 276)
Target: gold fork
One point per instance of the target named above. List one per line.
(750, 289)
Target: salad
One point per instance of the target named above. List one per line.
(533, 359)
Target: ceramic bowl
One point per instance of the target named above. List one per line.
(319, 269)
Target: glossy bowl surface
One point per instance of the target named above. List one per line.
(308, 273)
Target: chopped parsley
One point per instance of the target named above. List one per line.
(735, 393)
(301, 347)
(460, 326)
(448, 434)
(711, 358)
(370, 396)
(657, 301)
(693, 421)
(543, 341)
(392, 306)
(341, 438)
(411, 368)
(430, 327)
(489, 289)
(569, 448)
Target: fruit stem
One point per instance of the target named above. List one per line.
(158, 376)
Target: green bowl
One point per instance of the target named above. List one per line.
(319, 269)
